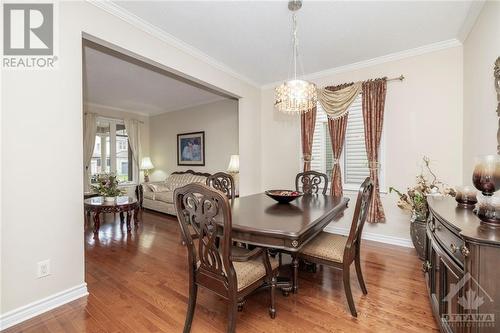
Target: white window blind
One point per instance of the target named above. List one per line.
(353, 160)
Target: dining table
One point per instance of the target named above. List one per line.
(259, 220)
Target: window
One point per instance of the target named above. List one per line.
(353, 160)
(111, 145)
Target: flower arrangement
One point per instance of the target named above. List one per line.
(414, 199)
(107, 186)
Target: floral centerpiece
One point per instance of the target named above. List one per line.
(107, 186)
(415, 201)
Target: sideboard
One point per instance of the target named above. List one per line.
(462, 269)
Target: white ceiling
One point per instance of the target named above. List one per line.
(122, 83)
(253, 37)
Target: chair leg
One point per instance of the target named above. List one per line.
(232, 310)
(295, 268)
(272, 308)
(357, 263)
(241, 303)
(347, 288)
(193, 291)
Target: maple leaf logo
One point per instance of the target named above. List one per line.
(470, 301)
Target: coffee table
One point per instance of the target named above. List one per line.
(122, 205)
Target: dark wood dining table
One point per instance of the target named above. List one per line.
(259, 220)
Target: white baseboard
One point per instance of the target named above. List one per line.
(405, 242)
(36, 308)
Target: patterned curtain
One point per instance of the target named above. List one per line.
(307, 124)
(89, 133)
(374, 92)
(337, 129)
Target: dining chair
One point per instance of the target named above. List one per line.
(230, 272)
(223, 182)
(311, 182)
(341, 251)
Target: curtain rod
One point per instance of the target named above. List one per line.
(399, 78)
(114, 118)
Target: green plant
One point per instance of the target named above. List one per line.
(107, 186)
(415, 198)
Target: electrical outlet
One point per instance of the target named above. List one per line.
(43, 268)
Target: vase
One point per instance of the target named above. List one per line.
(109, 199)
(417, 233)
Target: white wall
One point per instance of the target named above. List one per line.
(481, 49)
(219, 120)
(42, 113)
(423, 116)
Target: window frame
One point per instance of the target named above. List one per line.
(113, 150)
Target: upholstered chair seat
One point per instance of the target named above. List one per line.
(326, 246)
(249, 272)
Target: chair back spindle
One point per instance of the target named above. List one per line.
(206, 209)
(363, 200)
(223, 182)
(311, 182)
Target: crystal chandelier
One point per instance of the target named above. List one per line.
(295, 96)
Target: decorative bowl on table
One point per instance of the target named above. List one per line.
(284, 196)
(466, 196)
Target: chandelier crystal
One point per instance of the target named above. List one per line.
(295, 95)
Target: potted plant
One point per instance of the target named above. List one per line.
(107, 187)
(415, 201)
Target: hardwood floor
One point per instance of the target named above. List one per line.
(138, 283)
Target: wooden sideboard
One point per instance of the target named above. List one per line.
(462, 269)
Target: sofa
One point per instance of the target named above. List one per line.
(159, 196)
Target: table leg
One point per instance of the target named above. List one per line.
(136, 217)
(295, 269)
(122, 218)
(97, 222)
(128, 221)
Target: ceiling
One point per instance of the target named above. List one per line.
(116, 81)
(253, 37)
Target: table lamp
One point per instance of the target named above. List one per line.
(233, 169)
(146, 165)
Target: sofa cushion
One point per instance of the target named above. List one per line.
(167, 197)
(178, 180)
(159, 187)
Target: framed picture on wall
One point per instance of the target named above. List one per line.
(191, 148)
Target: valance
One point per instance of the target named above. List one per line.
(336, 103)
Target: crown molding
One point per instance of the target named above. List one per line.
(470, 20)
(154, 31)
(193, 105)
(114, 108)
(376, 61)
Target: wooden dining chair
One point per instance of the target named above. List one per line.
(341, 251)
(223, 182)
(232, 273)
(311, 182)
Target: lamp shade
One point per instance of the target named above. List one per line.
(146, 163)
(234, 164)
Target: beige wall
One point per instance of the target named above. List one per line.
(423, 116)
(42, 140)
(219, 120)
(481, 49)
